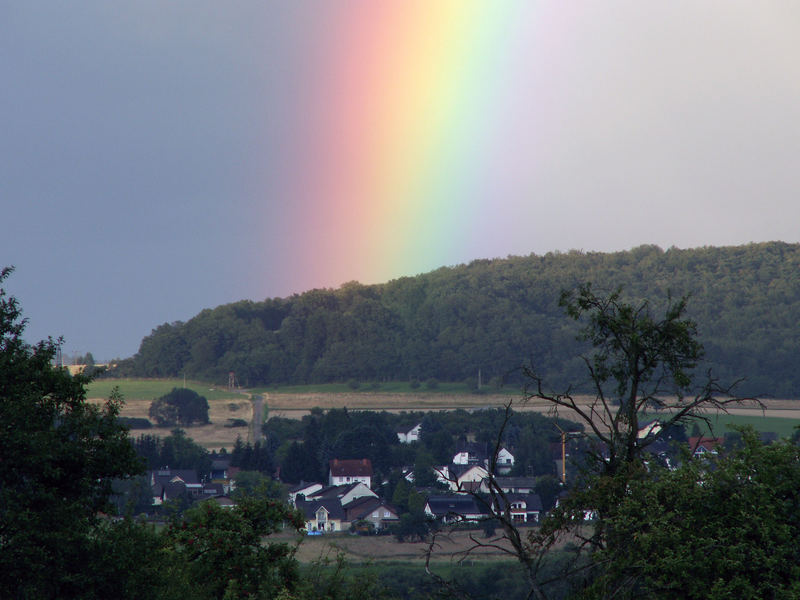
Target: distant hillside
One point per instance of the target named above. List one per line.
(493, 315)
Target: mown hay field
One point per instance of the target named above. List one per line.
(779, 416)
(223, 406)
(358, 549)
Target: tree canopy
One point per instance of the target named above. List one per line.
(181, 406)
(59, 457)
(492, 315)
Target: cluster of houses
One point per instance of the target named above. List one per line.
(173, 484)
(347, 501)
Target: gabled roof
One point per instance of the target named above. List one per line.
(351, 468)
(475, 450)
(334, 491)
(220, 464)
(532, 501)
(164, 476)
(303, 485)
(361, 508)
(457, 471)
(456, 506)
(332, 505)
(516, 482)
(707, 444)
(406, 428)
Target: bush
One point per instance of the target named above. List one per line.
(236, 423)
(432, 383)
(353, 384)
(135, 422)
(181, 406)
(414, 384)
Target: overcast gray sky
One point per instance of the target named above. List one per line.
(154, 155)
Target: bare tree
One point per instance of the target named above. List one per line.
(639, 364)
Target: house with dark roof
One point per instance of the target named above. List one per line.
(343, 472)
(323, 515)
(522, 508)
(374, 510)
(344, 493)
(168, 483)
(516, 485)
(303, 489)
(407, 435)
(457, 508)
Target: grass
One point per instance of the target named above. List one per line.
(150, 389)
(784, 427)
(390, 387)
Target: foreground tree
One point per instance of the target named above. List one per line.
(727, 527)
(221, 553)
(639, 363)
(59, 457)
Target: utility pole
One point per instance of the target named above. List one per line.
(564, 436)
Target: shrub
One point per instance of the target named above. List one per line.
(181, 406)
(135, 422)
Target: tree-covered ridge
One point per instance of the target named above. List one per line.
(494, 315)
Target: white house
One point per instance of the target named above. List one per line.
(505, 460)
(303, 489)
(406, 436)
(345, 472)
(344, 493)
(463, 478)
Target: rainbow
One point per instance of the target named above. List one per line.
(397, 140)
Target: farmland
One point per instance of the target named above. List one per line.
(780, 416)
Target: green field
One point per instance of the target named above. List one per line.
(389, 387)
(784, 427)
(150, 389)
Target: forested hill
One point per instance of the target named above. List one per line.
(494, 315)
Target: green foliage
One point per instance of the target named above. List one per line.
(147, 389)
(728, 528)
(181, 406)
(177, 451)
(59, 457)
(135, 422)
(252, 484)
(220, 552)
(491, 315)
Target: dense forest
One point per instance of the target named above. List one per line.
(493, 316)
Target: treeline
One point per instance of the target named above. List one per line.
(492, 316)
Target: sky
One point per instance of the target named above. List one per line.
(158, 158)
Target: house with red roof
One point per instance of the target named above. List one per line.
(344, 472)
(702, 446)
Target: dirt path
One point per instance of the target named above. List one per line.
(258, 412)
